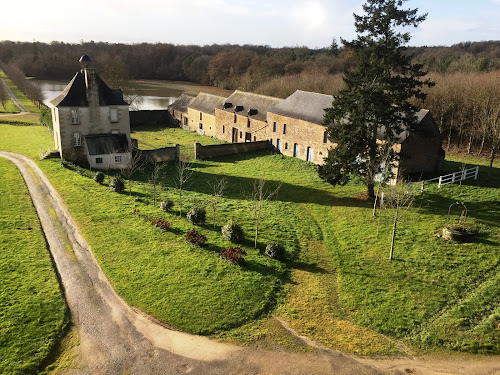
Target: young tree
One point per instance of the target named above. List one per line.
(154, 178)
(136, 164)
(182, 176)
(258, 197)
(374, 106)
(217, 187)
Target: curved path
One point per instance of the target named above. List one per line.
(117, 339)
(14, 98)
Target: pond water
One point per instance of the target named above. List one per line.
(154, 95)
(150, 99)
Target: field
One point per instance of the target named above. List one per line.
(33, 312)
(336, 284)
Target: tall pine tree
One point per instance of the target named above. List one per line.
(373, 109)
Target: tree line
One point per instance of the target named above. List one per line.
(29, 88)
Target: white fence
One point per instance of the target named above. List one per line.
(445, 180)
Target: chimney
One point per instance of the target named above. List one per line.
(90, 80)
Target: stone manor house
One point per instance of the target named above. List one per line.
(91, 121)
(294, 126)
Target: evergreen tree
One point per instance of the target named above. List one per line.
(374, 108)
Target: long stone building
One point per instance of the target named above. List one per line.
(294, 127)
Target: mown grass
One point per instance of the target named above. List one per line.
(33, 312)
(336, 285)
(19, 94)
(151, 137)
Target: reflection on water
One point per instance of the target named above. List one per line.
(152, 97)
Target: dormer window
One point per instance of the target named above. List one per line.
(75, 118)
(113, 115)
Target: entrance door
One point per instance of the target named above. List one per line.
(309, 154)
(278, 145)
(235, 135)
(295, 150)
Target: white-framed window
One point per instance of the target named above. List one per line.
(98, 160)
(77, 139)
(118, 158)
(75, 117)
(113, 114)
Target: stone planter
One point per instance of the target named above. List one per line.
(458, 234)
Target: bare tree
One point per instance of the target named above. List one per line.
(183, 175)
(217, 187)
(155, 177)
(258, 197)
(400, 200)
(136, 163)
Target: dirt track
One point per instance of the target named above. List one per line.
(115, 339)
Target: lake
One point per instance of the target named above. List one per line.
(155, 95)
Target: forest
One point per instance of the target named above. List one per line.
(465, 100)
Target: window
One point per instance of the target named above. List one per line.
(98, 160)
(248, 122)
(254, 138)
(286, 146)
(113, 115)
(200, 126)
(295, 150)
(234, 119)
(325, 137)
(185, 120)
(201, 116)
(77, 139)
(241, 134)
(284, 128)
(223, 129)
(309, 154)
(118, 158)
(75, 118)
(274, 126)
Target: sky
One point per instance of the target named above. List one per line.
(278, 23)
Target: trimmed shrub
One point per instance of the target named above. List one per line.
(99, 177)
(167, 205)
(195, 238)
(275, 250)
(197, 215)
(232, 232)
(117, 184)
(233, 255)
(160, 223)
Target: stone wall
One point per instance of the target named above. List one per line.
(212, 151)
(160, 154)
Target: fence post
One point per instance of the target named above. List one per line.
(477, 171)
(440, 180)
(453, 178)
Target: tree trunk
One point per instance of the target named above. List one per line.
(371, 190)
(180, 202)
(469, 146)
(492, 157)
(256, 231)
(449, 140)
(393, 236)
(482, 146)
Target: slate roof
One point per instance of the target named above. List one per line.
(404, 134)
(207, 103)
(75, 94)
(181, 103)
(106, 144)
(242, 102)
(304, 105)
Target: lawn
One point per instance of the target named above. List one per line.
(151, 137)
(33, 312)
(336, 285)
(19, 94)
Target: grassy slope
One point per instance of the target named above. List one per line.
(343, 288)
(18, 93)
(32, 307)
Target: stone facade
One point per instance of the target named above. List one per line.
(201, 113)
(88, 108)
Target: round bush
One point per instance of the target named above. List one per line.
(232, 232)
(275, 250)
(117, 184)
(197, 215)
(166, 205)
(99, 177)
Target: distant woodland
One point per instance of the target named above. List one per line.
(464, 101)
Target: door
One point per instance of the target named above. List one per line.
(309, 154)
(295, 150)
(235, 135)
(278, 145)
